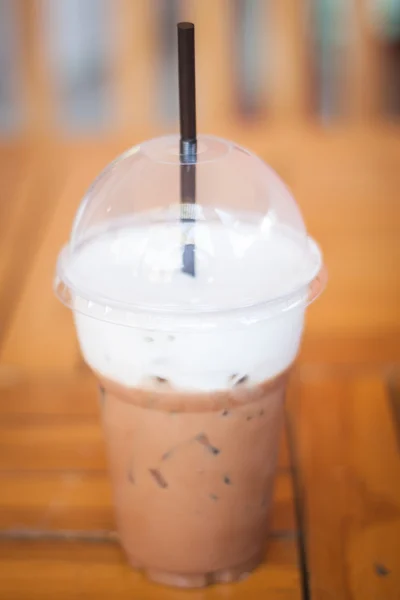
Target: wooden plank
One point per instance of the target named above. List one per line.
(14, 159)
(214, 71)
(57, 396)
(81, 500)
(350, 206)
(285, 48)
(14, 164)
(29, 200)
(357, 350)
(51, 443)
(39, 320)
(73, 570)
(347, 456)
(52, 501)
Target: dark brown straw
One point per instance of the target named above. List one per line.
(188, 140)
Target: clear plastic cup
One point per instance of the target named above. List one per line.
(192, 369)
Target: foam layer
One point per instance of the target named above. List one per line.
(236, 266)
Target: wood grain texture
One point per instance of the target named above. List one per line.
(81, 500)
(73, 570)
(349, 465)
(24, 179)
(36, 307)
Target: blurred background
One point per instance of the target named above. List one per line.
(74, 67)
(313, 86)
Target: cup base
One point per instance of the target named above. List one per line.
(199, 580)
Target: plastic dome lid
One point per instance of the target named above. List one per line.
(251, 247)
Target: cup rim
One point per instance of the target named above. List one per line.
(110, 310)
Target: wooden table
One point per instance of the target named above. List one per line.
(336, 516)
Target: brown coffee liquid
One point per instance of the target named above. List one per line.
(192, 477)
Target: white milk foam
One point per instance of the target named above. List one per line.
(236, 266)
